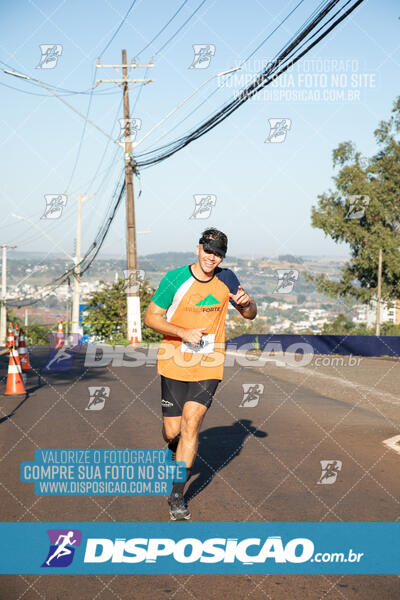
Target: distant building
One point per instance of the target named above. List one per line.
(230, 265)
(366, 313)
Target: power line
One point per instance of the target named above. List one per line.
(119, 27)
(94, 249)
(90, 254)
(82, 135)
(61, 91)
(181, 27)
(101, 236)
(287, 57)
(106, 148)
(163, 28)
(91, 94)
(316, 28)
(140, 90)
(321, 6)
(240, 64)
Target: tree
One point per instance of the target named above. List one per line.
(239, 326)
(105, 313)
(340, 326)
(367, 222)
(39, 335)
(12, 317)
(343, 326)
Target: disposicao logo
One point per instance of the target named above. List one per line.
(62, 547)
(190, 550)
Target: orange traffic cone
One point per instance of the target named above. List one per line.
(16, 335)
(10, 338)
(15, 385)
(60, 336)
(134, 338)
(23, 352)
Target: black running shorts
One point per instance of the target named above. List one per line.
(175, 393)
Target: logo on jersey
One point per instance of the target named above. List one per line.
(208, 301)
(206, 304)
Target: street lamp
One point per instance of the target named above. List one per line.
(43, 85)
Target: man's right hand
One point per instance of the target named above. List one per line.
(192, 336)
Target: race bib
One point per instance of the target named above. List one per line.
(205, 345)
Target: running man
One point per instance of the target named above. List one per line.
(189, 308)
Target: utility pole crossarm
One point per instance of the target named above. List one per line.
(144, 81)
(128, 66)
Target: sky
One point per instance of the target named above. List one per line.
(262, 192)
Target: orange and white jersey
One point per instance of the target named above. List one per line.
(195, 304)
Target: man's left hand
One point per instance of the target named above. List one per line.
(241, 298)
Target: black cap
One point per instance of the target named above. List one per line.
(214, 246)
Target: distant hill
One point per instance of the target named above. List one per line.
(160, 260)
(291, 259)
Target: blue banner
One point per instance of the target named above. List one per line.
(200, 548)
(355, 345)
(100, 472)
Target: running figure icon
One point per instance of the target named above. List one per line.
(61, 355)
(62, 549)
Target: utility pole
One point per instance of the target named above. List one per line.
(378, 299)
(77, 270)
(67, 316)
(3, 310)
(132, 299)
(132, 289)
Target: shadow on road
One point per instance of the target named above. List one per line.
(218, 446)
(6, 417)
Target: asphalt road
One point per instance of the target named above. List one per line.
(256, 462)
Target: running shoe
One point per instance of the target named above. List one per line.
(177, 507)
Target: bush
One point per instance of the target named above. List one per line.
(38, 335)
(105, 313)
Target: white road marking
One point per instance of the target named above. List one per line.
(384, 396)
(393, 443)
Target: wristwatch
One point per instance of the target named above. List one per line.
(246, 306)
